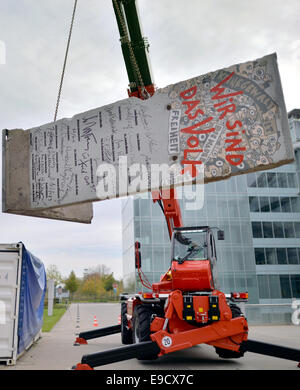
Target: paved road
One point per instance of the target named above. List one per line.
(55, 350)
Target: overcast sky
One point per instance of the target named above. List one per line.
(187, 39)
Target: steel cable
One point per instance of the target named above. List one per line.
(65, 61)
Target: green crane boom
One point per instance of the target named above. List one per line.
(134, 48)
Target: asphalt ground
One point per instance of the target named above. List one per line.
(55, 350)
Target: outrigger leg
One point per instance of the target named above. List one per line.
(271, 350)
(88, 362)
(93, 334)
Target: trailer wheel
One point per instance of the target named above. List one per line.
(141, 328)
(126, 332)
(227, 353)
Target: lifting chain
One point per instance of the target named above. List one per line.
(125, 39)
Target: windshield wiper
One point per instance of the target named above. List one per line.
(195, 248)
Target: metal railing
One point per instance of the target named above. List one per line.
(272, 313)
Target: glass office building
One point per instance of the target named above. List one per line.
(260, 215)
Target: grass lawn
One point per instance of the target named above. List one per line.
(49, 322)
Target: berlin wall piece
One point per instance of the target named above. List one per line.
(211, 127)
(16, 182)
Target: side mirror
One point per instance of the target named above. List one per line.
(221, 235)
(138, 262)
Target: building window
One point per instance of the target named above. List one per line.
(262, 180)
(289, 229)
(254, 204)
(251, 180)
(267, 230)
(281, 255)
(275, 229)
(278, 286)
(260, 256)
(297, 229)
(295, 282)
(285, 205)
(282, 180)
(285, 286)
(274, 204)
(264, 204)
(272, 180)
(277, 256)
(256, 230)
(270, 256)
(292, 255)
(295, 204)
(292, 180)
(278, 230)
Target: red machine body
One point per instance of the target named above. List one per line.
(189, 276)
(192, 276)
(184, 308)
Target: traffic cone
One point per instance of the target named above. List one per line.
(95, 321)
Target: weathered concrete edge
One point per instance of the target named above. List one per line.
(16, 192)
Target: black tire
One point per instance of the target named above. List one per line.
(227, 353)
(141, 327)
(126, 332)
(236, 311)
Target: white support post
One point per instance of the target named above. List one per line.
(50, 296)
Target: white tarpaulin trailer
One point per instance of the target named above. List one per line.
(22, 291)
(211, 127)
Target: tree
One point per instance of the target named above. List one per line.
(108, 282)
(100, 269)
(54, 274)
(72, 283)
(92, 286)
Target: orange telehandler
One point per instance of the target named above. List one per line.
(184, 308)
